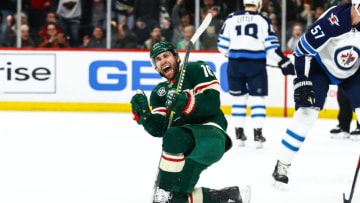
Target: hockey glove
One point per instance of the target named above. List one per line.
(183, 102)
(303, 92)
(140, 106)
(287, 68)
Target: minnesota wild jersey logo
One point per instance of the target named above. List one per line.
(161, 92)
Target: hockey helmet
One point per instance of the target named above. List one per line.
(257, 3)
(356, 4)
(160, 47)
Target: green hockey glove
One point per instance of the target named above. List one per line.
(139, 106)
(183, 102)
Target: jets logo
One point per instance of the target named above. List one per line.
(334, 20)
(346, 57)
(161, 92)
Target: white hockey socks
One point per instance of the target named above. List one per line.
(238, 110)
(302, 122)
(258, 111)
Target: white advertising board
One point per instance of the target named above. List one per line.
(104, 76)
(26, 73)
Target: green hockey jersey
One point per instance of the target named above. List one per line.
(204, 103)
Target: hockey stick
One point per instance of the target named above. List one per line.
(206, 22)
(272, 66)
(353, 184)
(195, 37)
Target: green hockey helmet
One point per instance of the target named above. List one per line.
(160, 47)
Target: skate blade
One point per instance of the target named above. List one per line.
(259, 145)
(245, 194)
(342, 135)
(355, 138)
(241, 143)
(280, 186)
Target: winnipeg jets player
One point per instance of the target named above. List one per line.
(247, 38)
(328, 53)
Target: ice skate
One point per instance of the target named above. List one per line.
(259, 138)
(162, 196)
(232, 194)
(240, 136)
(280, 175)
(338, 133)
(355, 134)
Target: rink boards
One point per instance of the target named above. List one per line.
(104, 80)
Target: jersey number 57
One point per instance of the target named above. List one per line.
(317, 32)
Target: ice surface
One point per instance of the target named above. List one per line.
(53, 157)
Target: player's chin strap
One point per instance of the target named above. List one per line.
(356, 7)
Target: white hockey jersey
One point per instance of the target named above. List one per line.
(334, 43)
(247, 34)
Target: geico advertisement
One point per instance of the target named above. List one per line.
(123, 73)
(27, 73)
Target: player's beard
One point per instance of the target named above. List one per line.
(174, 68)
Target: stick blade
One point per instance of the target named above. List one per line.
(206, 22)
(345, 200)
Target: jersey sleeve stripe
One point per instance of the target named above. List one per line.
(160, 110)
(299, 50)
(271, 38)
(222, 46)
(200, 88)
(224, 38)
(307, 46)
(249, 55)
(272, 47)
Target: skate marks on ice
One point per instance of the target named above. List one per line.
(107, 158)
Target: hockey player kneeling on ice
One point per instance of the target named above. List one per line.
(247, 38)
(197, 137)
(328, 53)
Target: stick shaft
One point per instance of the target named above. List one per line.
(181, 77)
(354, 181)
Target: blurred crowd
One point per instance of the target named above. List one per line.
(138, 24)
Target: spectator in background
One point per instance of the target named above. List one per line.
(26, 40)
(210, 37)
(147, 17)
(10, 34)
(275, 24)
(11, 29)
(97, 39)
(124, 38)
(188, 33)
(54, 39)
(36, 11)
(179, 20)
(7, 7)
(155, 37)
(318, 12)
(295, 36)
(50, 18)
(99, 13)
(208, 4)
(124, 10)
(306, 15)
(69, 16)
(331, 3)
(166, 30)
